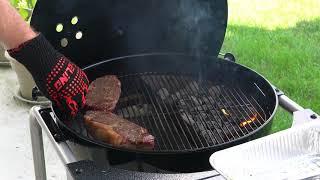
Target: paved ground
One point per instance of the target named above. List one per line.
(15, 147)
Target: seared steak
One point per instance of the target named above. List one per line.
(104, 93)
(119, 132)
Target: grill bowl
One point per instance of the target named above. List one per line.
(239, 82)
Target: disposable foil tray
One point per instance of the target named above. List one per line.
(290, 154)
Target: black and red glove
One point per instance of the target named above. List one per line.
(61, 81)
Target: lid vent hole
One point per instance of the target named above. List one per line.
(79, 35)
(59, 27)
(64, 42)
(74, 20)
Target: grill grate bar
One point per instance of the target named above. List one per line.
(174, 106)
(128, 107)
(158, 114)
(176, 118)
(217, 113)
(189, 91)
(232, 118)
(247, 115)
(196, 124)
(260, 119)
(255, 101)
(162, 139)
(179, 85)
(164, 122)
(264, 117)
(225, 107)
(179, 121)
(177, 133)
(201, 88)
(192, 114)
(253, 111)
(164, 78)
(226, 97)
(132, 86)
(234, 112)
(250, 109)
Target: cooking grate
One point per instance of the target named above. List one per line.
(187, 113)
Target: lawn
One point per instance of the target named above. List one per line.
(281, 40)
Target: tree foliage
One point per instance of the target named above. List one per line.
(24, 7)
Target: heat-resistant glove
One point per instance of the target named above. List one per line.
(61, 81)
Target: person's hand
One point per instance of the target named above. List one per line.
(61, 81)
(57, 78)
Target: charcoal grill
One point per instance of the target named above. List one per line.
(165, 54)
(189, 117)
(42, 120)
(176, 107)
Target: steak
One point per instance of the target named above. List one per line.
(103, 93)
(119, 132)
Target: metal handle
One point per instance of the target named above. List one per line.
(287, 103)
(228, 56)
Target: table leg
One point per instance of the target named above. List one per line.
(37, 148)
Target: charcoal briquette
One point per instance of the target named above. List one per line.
(163, 93)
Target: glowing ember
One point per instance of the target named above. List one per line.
(225, 112)
(248, 121)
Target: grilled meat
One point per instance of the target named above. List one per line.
(119, 132)
(104, 93)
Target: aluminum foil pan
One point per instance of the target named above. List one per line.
(290, 154)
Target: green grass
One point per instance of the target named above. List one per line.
(281, 40)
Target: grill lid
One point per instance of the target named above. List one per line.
(89, 31)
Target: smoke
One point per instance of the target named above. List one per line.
(194, 23)
(193, 17)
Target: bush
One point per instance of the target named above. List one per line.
(24, 7)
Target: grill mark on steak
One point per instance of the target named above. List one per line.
(112, 129)
(103, 93)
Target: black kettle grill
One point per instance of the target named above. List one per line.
(174, 83)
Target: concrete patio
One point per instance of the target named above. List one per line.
(15, 148)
